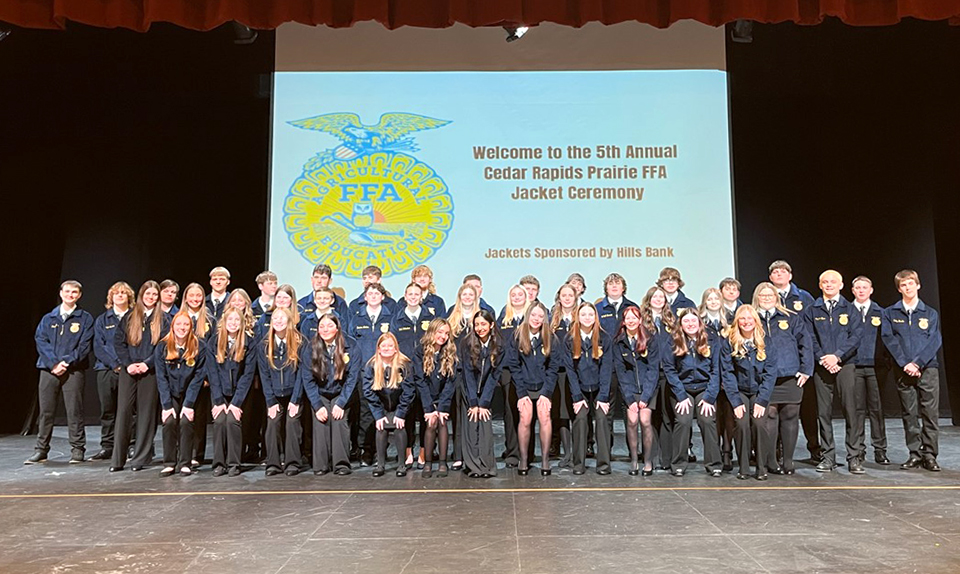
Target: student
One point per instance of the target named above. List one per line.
(179, 359)
(713, 315)
(371, 321)
(277, 361)
(534, 371)
(658, 320)
(204, 326)
(588, 358)
(693, 372)
(460, 316)
(671, 283)
(911, 332)
(371, 276)
(481, 354)
(239, 300)
(511, 316)
(285, 298)
(329, 370)
(408, 325)
(436, 368)
(789, 347)
(135, 341)
(323, 301)
(730, 293)
(119, 298)
(169, 289)
(267, 283)
(872, 364)
(389, 389)
(561, 319)
(799, 301)
(320, 279)
(474, 281)
(637, 362)
(254, 424)
(579, 285)
(423, 276)
(747, 368)
(530, 285)
(64, 337)
(217, 299)
(611, 309)
(836, 338)
(231, 364)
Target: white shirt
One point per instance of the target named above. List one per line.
(120, 314)
(911, 308)
(671, 298)
(862, 307)
(64, 310)
(413, 315)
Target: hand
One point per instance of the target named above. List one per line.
(382, 423)
(133, 369)
(829, 361)
(443, 418)
(167, 413)
(912, 369)
(60, 368)
(142, 368)
(802, 379)
(759, 411)
(642, 405)
(322, 414)
(293, 409)
(834, 369)
(273, 411)
(543, 405)
(483, 413)
(578, 406)
(399, 422)
(218, 410)
(706, 409)
(430, 417)
(236, 411)
(472, 414)
(684, 406)
(605, 407)
(337, 412)
(740, 411)
(188, 413)
(634, 407)
(524, 405)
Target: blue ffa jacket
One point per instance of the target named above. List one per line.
(257, 309)
(914, 337)
(797, 299)
(681, 301)
(480, 381)
(693, 373)
(751, 375)
(407, 332)
(836, 333)
(104, 334)
(638, 373)
(330, 386)
(142, 353)
(535, 372)
(309, 321)
(485, 305)
(434, 303)
(609, 318)
(217, 310)
(179, 378)
(789, 343)
(587, 373)
(366, 333)
(871, 351)
(359, 305)
(306, 305)
(436, 390)
(387, 400)
(68, 340)
(211, 327)
(230, 381)
(714, 330)
(731, 314)
(173, 311)
(279, 381)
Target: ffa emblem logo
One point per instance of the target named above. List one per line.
(368, 201)
(843, 319)
(384, 328)
(644, 353)
(706, 353)
(784, 325)
(424, 325)
(875, 321)
(190, 362)
(761, 355)
(798, 305)
(75, 327)
(346, 358)
(923, 323)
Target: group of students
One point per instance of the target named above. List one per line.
(281, 377)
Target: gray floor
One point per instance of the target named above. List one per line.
(64, 518)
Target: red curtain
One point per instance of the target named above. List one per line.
(267, 14)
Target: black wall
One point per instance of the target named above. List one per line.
(138, 156)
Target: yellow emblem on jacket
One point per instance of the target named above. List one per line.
(923, 322)
(798, 305)
(761, 355)
(75, 327)
(346, 358)
(384, 327)
(844, 319)
(875, 321)
(424, 325)
(784, 325)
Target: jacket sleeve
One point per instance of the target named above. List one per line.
(448, 389)
(247, 371)
(624, 377)
(45, 345)
(103, 343)
(512, 361)
(408, 393)
(376, 407)
(651, 374)
(669, 363)
(848, 350)
(353, 375)
(804, 335)
(120, 343)
(729, 376)
(552, 368)
(421, 381)
(929, 351)
(266, 376)
(606, 370)
(85, 343)
(470, 382)
(490, 383)
(573, 377)
(163, 377)
(768, 379)
(890, 340)
(196, 379)
(303, 362)
(713, 385)
(213, 374)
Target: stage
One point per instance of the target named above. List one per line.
(62, 518)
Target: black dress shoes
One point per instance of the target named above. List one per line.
(102, 455)
(881, 458)
(855, 466)
(930, 464)
(912, 462)
(272, 471)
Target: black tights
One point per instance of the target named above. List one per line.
(434, 428)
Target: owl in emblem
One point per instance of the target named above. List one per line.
(362, 215)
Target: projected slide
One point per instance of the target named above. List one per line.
(501, 174)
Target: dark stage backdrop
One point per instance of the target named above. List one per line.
(134, 156)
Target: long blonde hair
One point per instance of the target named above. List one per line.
(556, 314)
(460, 319)
(138, 313)
(247, 314)
(448, 353)
(738, 342)
(191, 344)
(223, 338)
(703, 307)
(398, 364)
(291, 337)
(203, 315)
(523, 331)
(509, 313)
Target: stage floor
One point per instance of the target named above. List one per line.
(64, 518)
